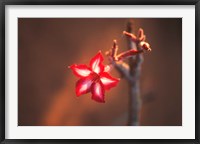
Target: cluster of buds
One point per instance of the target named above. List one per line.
(140, 42)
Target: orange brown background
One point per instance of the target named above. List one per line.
(46, 87)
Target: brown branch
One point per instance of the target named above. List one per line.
(120, 66)
(128, 54)
(131, 71)
(135, 70)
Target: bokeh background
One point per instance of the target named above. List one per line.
(46, 87)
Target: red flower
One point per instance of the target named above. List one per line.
(93, 79)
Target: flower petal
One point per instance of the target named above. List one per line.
(83, 85)
(96, 63)
(80, 70)
(98, 92)
(108, 81)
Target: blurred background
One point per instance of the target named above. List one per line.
(46, 87)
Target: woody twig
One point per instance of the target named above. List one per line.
(131, 71)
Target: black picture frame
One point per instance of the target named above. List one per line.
(3, 4)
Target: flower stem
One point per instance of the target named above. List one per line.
(134, 88)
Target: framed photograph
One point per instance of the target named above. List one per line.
(100, 72)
